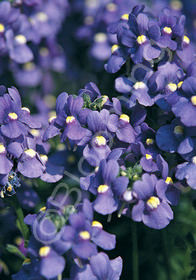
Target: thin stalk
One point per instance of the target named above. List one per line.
(60, 277)
(13, 201)
(166, 253)
(135, 257)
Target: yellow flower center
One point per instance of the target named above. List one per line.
(51, 119)
(169, 181)
(124, 117)
(111, 7)
(70, 119)
(2, 148)
(100, 37)
(141, 39)
(186, 40)
(30, 152)
(125, 17)
(13, 116)
(41, 16)
(97, 224)
(172, 87)
(2, 28)
(149, 141)
(148, 156)
(193, 100)
(43, 209)
(26, 109)
(44, 251)
(43, 51)
(153, 202)
(100, 140)
(9, 188)
(178, 129)
(20, 39)
(44, 158)
(139, 85)
(176, 5)
(85, 235)
(102, 188)
(35, 132)
(96, 169)
(29, 66)
(114, 48)
(180, 84)
(167, 30)
(194, 160)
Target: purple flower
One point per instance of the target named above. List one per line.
(186, 171)
(171, 29)
(152, 207)
(175, 137)
(97, 148)
(99, 268)
(68, 112)
(79, 234)
(14, 120)
(136, 35)
(107, 187)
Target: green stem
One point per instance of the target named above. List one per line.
(166, 253)
(13, 201)
(60, 277)
(135, 252)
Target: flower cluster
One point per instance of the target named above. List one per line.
(130, 154)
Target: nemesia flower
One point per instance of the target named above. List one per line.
(152, 208)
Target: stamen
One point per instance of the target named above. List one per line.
(85, 235)
(41, 16)
(26, 109)
(111, 7)
(70, 119)
(153, 202)
(35, 132)
(149, 141)
(125, 17)
(193, 100)
(141, 39)
(167, 30)
(97, 224)
(186, 40)
(2, 28)
(100, 37)
(100, 140)
(139, 85)
(178, 129)
(2, 149)
(114, 48)
(180, 84)
(20, 39)
(172, 87)
(169, 181)
(13, 116)
(148, 156)
(102, 188)
(30, 152)
(124, 117)
(44, 251)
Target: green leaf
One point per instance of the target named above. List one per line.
(14, 250)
